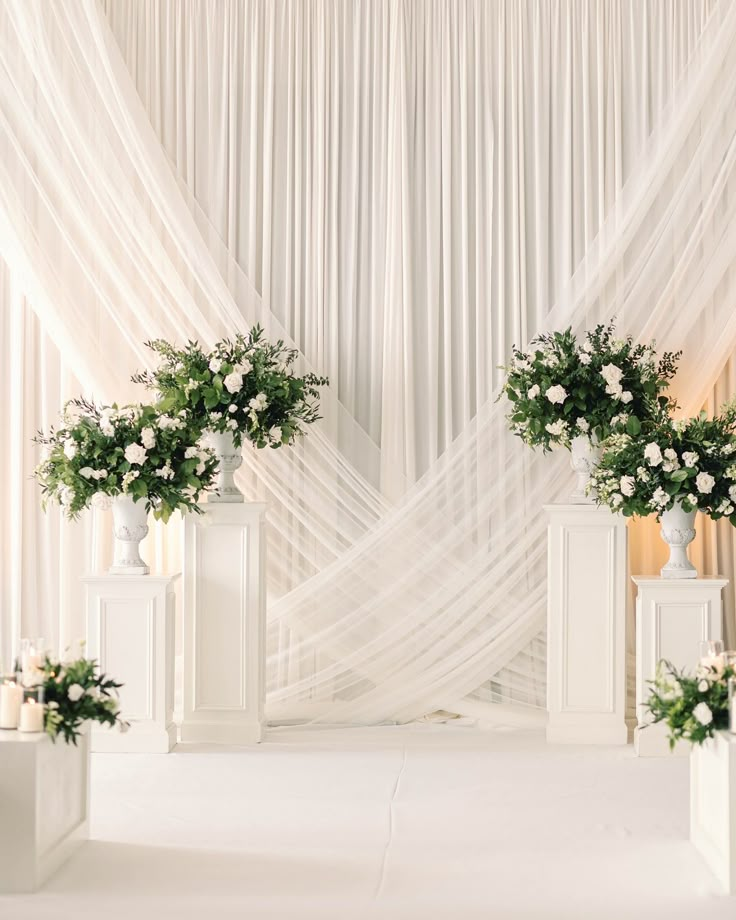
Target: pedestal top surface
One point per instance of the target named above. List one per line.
(657, 581)
(15, 737)
(131, 579)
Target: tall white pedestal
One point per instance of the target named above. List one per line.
(586, 626)
(224, 624)
(672, 616)
(44, 807)
(713, 806)
(130, 631)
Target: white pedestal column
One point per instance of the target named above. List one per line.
(713, 806)
(672, 616)
(130, 631)
(586, 627)
(44, 807)
(224, 624)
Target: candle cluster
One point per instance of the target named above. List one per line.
(21, 692)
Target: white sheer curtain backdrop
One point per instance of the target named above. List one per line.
(410, 609)
(407, 184)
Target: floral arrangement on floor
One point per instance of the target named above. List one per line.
(74, 693)
(692, 461)
(245, 385)
(141, 451)
(559, 389)
(693, 707)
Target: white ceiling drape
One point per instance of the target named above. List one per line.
(409, 608)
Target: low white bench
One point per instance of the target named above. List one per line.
(713, 806)
(44, 806)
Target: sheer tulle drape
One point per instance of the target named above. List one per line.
(410, 608)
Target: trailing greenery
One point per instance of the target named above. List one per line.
(245, 385)
(559, 390)
(693, 707)
(689, 460)
(142, 451)
(74, 693)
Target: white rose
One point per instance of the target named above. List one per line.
(627, 485)
(703, 714)
(191, 452)
(659, 498)
(611, 374)
(259, 402)
(711, 667)
(557, 428)
(134, 453)
(87, 472)
(233, 382)
(245, 367)
(584, 358)
(583, 424)
(533, 392)
(70, 448)
(690, 458)
(626, 397)
(232, 408)
(275, 433)
(101, 501)
(653, 454)
(75, 692)
(232, 424)
(693, 499)
(148, 437)
(703, 686)
(704, 483)
(616, 500)
(215, 365)
(556, 394)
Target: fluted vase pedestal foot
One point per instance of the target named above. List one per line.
(673, 616)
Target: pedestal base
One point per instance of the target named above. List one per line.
(672, 616)
(44, 807)
(130, 631)
(224, 624)
(586, 654)
(713, 806)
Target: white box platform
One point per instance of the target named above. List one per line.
(44, 807)
(130, 631)
(713, 806)
(586, 625)
(224, 624)
(672, 616)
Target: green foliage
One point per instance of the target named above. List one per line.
(144, 451)
(74, 693)
(689, 460)
(693, 707)
(245, 385)
(559, 389)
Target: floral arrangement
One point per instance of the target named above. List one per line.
(692, 461)
(559, 390)
(246, 386)
(693, 707)
(75, 692)
(100, 452)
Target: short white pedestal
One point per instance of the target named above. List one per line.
(130, 631)
(672, 616)
(586, 626)
(44, 807)
(713, 806)
(224, 624)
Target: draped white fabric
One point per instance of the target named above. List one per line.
(415, 607)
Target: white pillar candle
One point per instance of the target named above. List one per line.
(11, 697)
(31, 717)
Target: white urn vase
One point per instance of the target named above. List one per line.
(229, 459)
(584, 456)
(129, 522)
(678, 532)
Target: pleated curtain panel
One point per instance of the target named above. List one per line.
(403, 191)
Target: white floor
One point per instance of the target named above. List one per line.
(417, 822)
